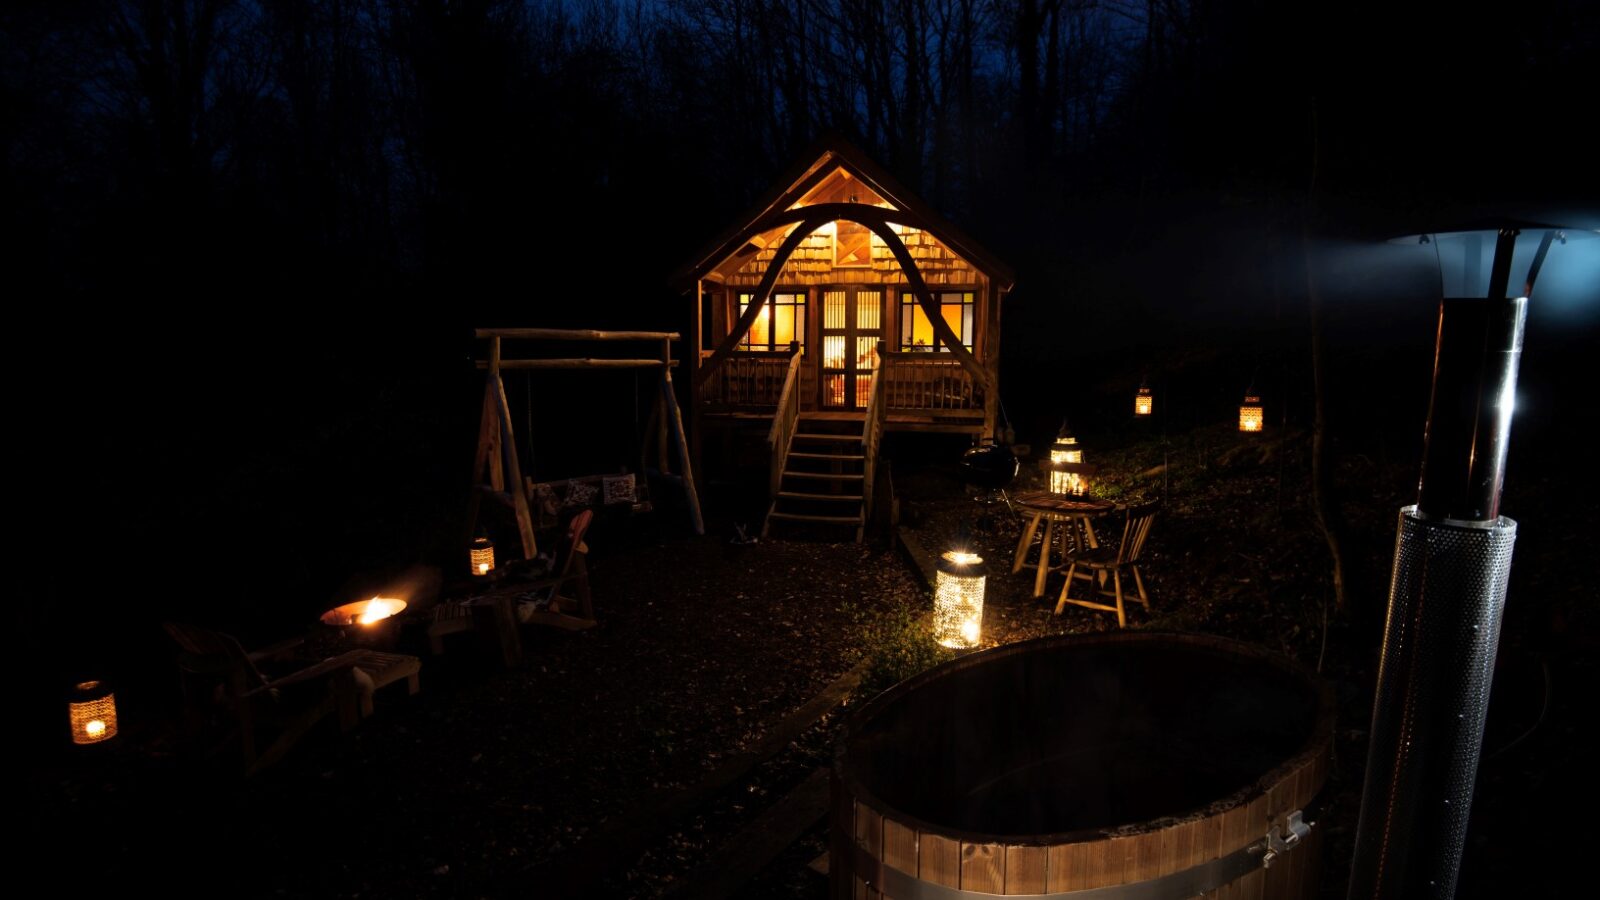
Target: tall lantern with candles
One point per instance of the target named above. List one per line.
(482, 556)
(92, 712)
(958, 600)
(1251, 417)
(1065, 450)
(1144, 403)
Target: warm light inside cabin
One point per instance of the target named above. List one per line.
(782, 321)
(95, 729)
(959, 311)
(958, 600)
(1251, 416)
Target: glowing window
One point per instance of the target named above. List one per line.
(957, 308)
(781, 321)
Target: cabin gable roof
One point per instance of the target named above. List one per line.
(838, 172)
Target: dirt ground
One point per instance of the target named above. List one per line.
(703, 645)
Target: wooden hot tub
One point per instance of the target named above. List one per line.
(1149, 766)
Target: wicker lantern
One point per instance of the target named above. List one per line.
(482, 555)
(1250, 414)
(92, 712)
(1144, 403)
(1065, 450)
(958, 600)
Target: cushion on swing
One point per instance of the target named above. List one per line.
(580, 493)
(545, 498)
(618, 488)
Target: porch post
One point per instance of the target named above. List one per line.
(991, 358)
(692, 464)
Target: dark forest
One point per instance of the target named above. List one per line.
(247, 243)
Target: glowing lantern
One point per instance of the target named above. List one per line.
(482, 555)
(1144, 403)
(958, 600)
(1065, 450)
(93, 713)
(1250, 415)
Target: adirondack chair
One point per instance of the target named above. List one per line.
(569, 573)
(1103, 560)
(223, 680)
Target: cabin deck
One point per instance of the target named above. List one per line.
(962, 422)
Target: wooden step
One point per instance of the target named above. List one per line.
(811, 436)
(822, 476)
(846, 457)
(802, 495)
(802, 517)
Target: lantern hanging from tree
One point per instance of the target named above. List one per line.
(1251, 417)
(958, 600)
(92, 712)
(1144, 403)
(482, 556)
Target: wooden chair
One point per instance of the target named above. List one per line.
(219, 674)
(571, 570)
(1102, 560)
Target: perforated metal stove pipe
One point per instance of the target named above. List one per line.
(1451, 565)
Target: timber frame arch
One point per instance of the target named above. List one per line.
(811, 218)
(843, 303)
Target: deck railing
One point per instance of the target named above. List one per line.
(872, 434)
(927, 381)
(784, 421)
(748, 380)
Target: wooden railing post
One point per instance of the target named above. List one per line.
(783, 422)
(873, 431)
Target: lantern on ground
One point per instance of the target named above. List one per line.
(1065, 450)
(1251, 417)
(92, 712)
(1144, 402)
(958, 600)
(482, 556)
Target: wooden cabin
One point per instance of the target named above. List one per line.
(844, 299)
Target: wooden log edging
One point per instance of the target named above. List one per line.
(750, 850)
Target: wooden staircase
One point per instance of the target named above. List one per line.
(823, 479)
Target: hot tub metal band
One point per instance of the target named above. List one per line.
(1191, 882)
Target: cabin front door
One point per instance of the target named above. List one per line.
(852, 325)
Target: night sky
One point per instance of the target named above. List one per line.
(246, 242)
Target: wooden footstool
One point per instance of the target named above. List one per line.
(383, 669)
(493, 617)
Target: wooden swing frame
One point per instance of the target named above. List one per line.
(495, 465)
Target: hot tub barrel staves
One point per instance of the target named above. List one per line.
(1132, 766)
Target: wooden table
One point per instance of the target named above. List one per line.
(1075, 513)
